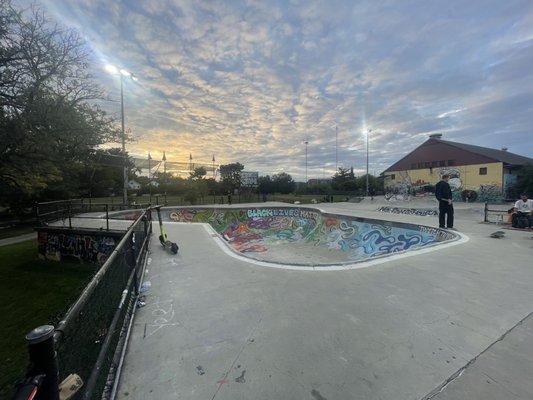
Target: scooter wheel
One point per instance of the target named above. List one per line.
(174, 248)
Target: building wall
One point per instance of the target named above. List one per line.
(463, 179)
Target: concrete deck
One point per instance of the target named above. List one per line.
(453, 323)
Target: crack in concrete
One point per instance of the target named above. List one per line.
(501, 384)
(246, 342)
(461, 370)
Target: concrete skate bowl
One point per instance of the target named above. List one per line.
(308, 237)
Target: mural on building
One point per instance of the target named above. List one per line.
(473, 191)
(255, 230)
(58, 246)
(509, 186)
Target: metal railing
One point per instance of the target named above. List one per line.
(67, 210)
(500, 214)
(89, 340)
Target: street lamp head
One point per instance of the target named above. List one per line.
(114, 70)
(111, 68)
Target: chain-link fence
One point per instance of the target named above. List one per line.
(90, 338)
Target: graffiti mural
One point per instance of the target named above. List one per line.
(258, 230)
(83, 247)
(402, 191)
(490, 193)
(467, 182)
(410, 211)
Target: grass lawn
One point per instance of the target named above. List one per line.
(34, 292)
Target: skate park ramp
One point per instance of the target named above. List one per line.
(308, 236)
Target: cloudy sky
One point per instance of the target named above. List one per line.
(253, 80)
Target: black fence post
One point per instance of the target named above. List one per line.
(107, 216)
(43, 361)
(486, 212)
(69, 210)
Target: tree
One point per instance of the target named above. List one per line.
(48, 128)
(344, 179)
(198, 173)
(524, 183)
(231, 176)
(283, 183)
(264, 185)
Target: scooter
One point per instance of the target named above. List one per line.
(167, 244)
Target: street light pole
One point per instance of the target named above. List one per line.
(150, 177)
(306, 142)
(336, 149)
(125, 177)
(367, 134)
(122, 73)
(165, 174)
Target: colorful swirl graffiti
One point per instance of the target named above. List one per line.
(256, 230)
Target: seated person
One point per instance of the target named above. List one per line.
(523, 212)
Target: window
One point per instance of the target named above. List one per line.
(392, 176)
(413, 166)
(427, 165)
(434, 164)
(483, 171)
(450, 163)
(420, 165)
(442, 163)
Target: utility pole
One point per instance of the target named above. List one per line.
(336, 149)
(165, 175)
(367, 135)
(306, 143)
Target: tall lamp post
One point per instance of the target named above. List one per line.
(123, 73)
(367, 135)
(306, 143)
(336, 149)
(150, 177)
(165, 174)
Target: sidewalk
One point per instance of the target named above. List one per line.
(18, 239)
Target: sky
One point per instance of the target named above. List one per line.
(252, 81)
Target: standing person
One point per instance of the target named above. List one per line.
(523, 210)
(443, 193)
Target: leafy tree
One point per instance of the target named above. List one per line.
(213, 186)
(344, 180)
(198, 173)
(103, 173)
(231, 176)
(48, 128)
(264, 185)
(283, 183)
(524, 183)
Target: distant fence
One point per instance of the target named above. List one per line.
(89, 340)
(66, 210)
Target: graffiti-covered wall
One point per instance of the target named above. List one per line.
(83, 245)
(479, 182)
(258, 230)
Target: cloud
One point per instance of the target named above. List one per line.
(250, 81)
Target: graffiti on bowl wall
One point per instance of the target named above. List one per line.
(254, 230)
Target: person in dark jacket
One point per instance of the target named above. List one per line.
(443, 193)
